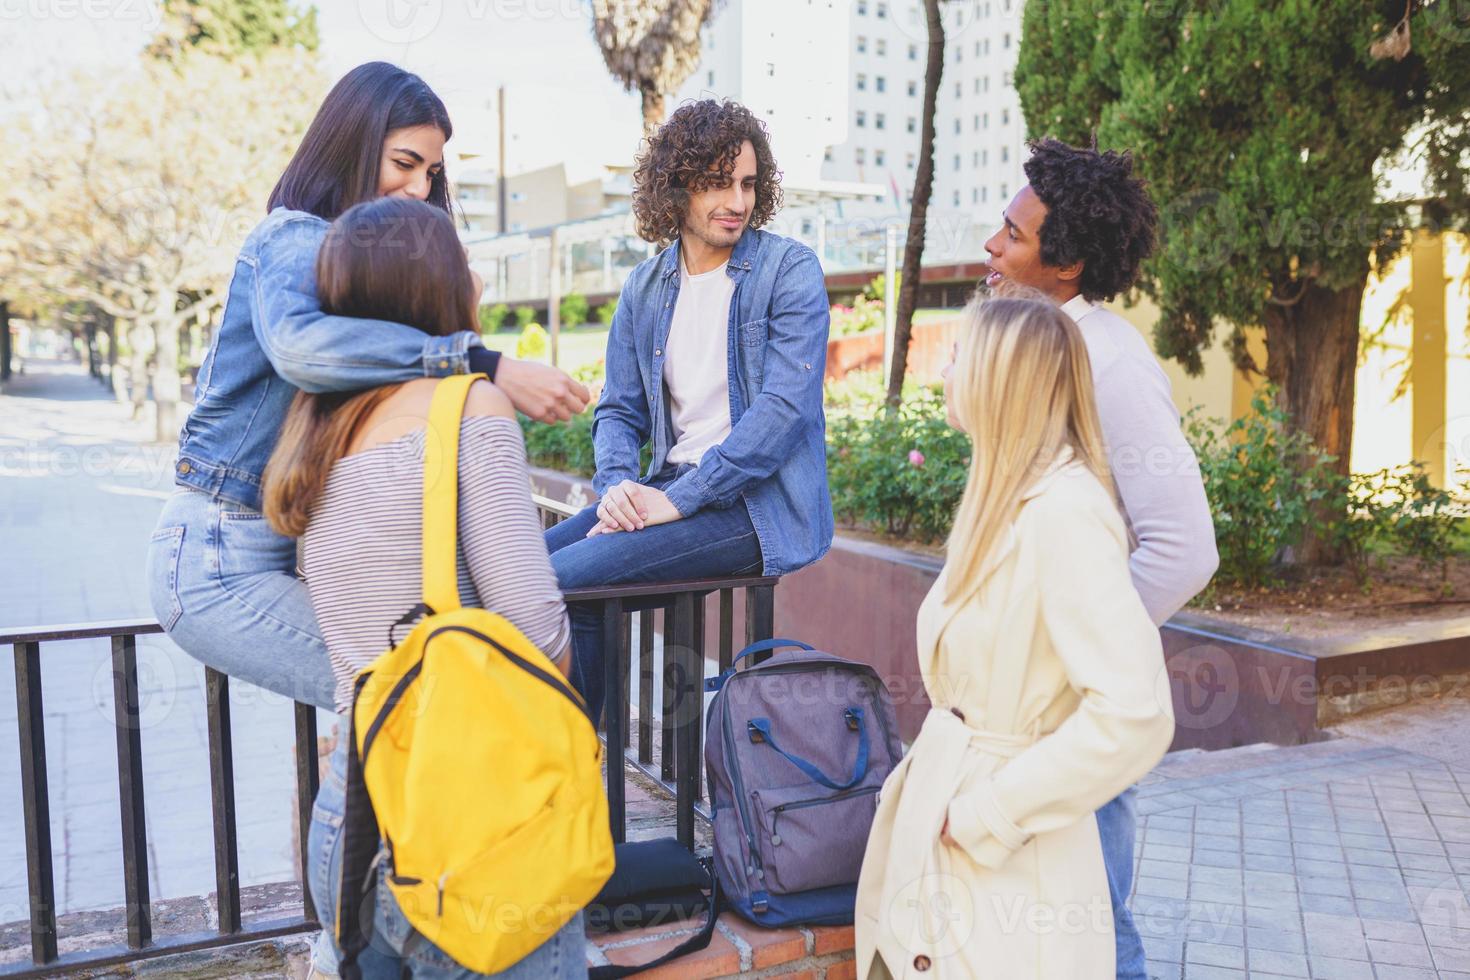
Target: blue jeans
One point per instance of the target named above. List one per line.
(711, 542)
(396, 950)
(223, 586)
(1116, 822)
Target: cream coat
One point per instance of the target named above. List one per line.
(1050, 699)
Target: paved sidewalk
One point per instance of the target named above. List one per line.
(1342, 859)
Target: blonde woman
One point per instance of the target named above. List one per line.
(1046, 676)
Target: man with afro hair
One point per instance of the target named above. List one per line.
(1078, 232)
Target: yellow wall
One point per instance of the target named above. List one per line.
(1430, 420)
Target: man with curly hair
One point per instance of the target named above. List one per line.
(1078, 231)
(715, 357)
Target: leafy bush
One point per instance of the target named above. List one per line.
(899, 472)
(1260, 499)
(525, 315)
(875, 288)
(533, 343)
(566, 446)
(863, 315)
(492, 317)
(606, 312)
(574, 310)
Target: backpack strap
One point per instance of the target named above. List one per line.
(441, 493)
(357, 892)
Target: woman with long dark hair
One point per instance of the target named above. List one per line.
(347, 478)
(220, 578)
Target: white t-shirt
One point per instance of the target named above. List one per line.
(696, 370)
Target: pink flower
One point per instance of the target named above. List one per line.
(916, 458)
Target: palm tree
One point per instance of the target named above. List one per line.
(913, 252)
(650, 46)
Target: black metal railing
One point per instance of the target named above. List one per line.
(675, 609)
(36, 807)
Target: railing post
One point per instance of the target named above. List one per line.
(666, 723)
(645, 686)
(222, 799)
(615, 694)
(760, 616)
(35, 801)
(684, 678)
(308, 777)
(127, 718)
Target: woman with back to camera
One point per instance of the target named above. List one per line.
(347, 478)
(1043, 669)
(220, 580)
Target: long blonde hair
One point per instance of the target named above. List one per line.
(1021, 388)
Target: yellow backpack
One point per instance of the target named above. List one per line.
(476, 765)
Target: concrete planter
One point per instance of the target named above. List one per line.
(1230, 685)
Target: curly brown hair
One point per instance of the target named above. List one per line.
(700, 140)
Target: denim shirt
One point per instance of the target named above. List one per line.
(273, 339)
(775, 456)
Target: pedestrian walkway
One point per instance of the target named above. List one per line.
(81, 487)
(1340, 860)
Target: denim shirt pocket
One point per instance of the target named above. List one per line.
(753, 335)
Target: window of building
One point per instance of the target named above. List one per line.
(878, 157)
(984, 194)
(1005, 40)
(880, 83)
(959, 53)
(976, 124)
(860, 156)
(1005, 154)
(881, 46)
(862, 8)
(1006, 78)
(1005, 117)
(987, 83)
(913, 88)
(984, 158)
(913, 125)
(910, 161)
(882, 10)
(977, 49)
(956, 198)
(862, 82)
(862, 44)
(771, 69)
(975, 159)
(827, 155)
(710, 80)
(974, 195)
(984, 120)
(913, 52)
(957, 126)
(879, 121)
(862, 118)
(957, 90)
(517, 196)
(977, 86)
(1005, 192)
(957, 161)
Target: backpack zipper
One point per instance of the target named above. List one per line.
(776, 811)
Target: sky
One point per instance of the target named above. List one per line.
(562, 105)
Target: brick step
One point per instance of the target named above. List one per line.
(737, 949)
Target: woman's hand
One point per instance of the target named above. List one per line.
(545, 393)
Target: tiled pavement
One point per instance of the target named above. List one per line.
(1342, 859)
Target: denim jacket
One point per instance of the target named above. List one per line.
(775, 456)
(273, 339)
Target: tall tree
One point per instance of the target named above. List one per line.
(1264, 128)
(913, 252)
(137, 190)
(229, 28)
(651, 46)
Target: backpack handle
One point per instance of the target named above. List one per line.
(760, 731)
(715, 683)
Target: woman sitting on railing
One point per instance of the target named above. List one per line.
(347, 477)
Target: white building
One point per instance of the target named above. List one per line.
(859, 108)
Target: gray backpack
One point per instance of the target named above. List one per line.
(796, 750)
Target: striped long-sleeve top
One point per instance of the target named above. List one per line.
(362, 550)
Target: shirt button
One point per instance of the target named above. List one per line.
(184, 467)
(658, 352)
(921, 963)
